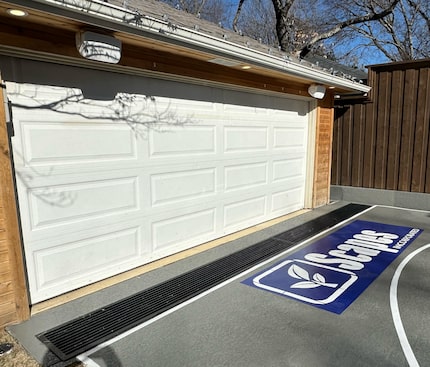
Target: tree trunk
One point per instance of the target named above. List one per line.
(284, 24)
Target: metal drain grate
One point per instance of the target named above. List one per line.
(81, 334)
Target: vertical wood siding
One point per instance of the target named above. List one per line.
(323, 147)
(384, 142)
(13, 292)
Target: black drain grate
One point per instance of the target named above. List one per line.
(79, 335)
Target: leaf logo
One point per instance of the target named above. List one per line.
(317, 280)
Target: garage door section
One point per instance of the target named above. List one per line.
(106, 186)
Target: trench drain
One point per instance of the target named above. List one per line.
(77, 336)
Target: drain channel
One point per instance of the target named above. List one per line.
(81, 334)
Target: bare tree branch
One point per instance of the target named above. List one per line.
(236, 16)
(424, 14)
(372, 16)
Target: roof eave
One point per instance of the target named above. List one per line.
(105, 15)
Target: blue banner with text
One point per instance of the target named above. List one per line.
(333, 271)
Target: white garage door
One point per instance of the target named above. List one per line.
(99, 196)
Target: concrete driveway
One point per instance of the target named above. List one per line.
(381, 318)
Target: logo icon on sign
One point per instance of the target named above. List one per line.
(306, 281)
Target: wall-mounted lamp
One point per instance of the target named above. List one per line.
(317, 91)
(98, 47)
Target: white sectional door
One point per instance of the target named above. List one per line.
(99, 196)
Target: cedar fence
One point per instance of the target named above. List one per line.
(383, 141)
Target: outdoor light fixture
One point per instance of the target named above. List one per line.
(98, 47)
(317, 91)
(17, 12)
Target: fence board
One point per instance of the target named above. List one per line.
(383, 96)
(395, 131)
(421, 132)
(346, 155)
(370, 139)
(408, 127)
(336, 148)
(357, 148)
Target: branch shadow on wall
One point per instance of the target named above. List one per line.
(139, 112)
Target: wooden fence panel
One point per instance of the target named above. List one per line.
(383, 142)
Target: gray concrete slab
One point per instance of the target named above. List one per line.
(237, 325)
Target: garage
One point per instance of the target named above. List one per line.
(114, 177)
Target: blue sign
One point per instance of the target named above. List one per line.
(332, 272)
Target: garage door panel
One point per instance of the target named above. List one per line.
(88, 256)
(109, 197)
(184, 107)
(243, 139)
(277, 109)
(82, 262)
(245, 176)
(167, 188)
(52, 205)
(58, 143)
(286, 169)
(289, 138)
(286, 201)
(298, 113)
(242, 114)
(245, 212)
(180, 230)
(81, 201)
(169, 142)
